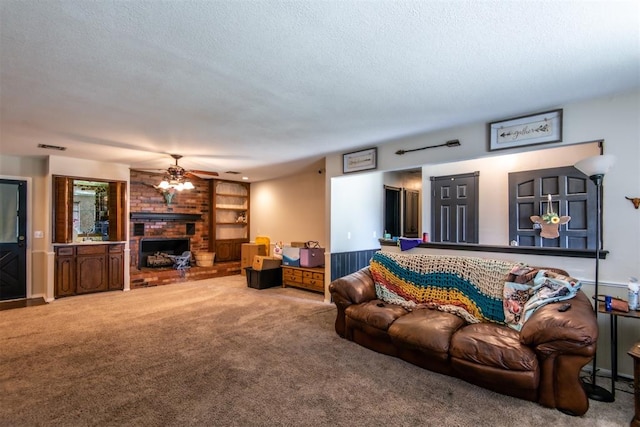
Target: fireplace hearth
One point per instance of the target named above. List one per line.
(154, 246)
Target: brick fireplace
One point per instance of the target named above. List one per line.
(187, 217)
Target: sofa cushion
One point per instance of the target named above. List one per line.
(493, 345)
(426, 329)
(375, 313)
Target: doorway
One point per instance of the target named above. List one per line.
(392, 210)
(13, 239)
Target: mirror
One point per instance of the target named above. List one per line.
(87, 210)
(90, 210)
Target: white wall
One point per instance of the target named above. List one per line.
(356, 224)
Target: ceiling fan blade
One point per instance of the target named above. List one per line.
(198, 172)
(158, 171)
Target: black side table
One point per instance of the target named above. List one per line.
(614, 314)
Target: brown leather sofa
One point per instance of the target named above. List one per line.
(541, 363)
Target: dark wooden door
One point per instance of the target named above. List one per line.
(392, 210)
(13, 239)
(411, 213)
(572, 194)
(454, 208)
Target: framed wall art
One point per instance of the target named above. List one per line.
(541, 128)
(360, 160)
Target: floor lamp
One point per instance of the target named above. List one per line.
(595, 168)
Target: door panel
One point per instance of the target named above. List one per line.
(571, 195)
(454, 208)
(13, 239)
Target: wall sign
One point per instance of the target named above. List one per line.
(539, 128)
(360, 160)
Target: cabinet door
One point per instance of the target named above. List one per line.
(91, 274)
(63, 209)
(116, 271)
(65, 280)
(224, 250)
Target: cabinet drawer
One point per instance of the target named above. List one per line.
(66, 251)
(318, 276)
(115, 248)
(317, 284)
(292, 272)
(291, 278)
(91, 249)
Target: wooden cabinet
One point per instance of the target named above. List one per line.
(305, 278)
(91, 268)
(229, 249)
(229, 219)
(248, 251)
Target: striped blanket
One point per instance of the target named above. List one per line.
(469, 287)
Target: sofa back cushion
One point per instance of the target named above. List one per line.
(469, 287)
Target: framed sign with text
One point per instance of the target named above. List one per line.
(360, 160)
(535, 129)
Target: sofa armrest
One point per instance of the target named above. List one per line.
(355, 288)
(574, 331)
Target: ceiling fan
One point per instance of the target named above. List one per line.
(176, 177)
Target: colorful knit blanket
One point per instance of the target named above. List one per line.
(469, 287)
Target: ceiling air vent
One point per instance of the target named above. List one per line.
(51, 147)
(233, 172)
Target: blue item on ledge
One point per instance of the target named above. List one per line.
(406, 244)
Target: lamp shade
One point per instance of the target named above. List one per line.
(596, 165)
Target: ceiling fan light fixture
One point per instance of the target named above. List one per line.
(164, 184)
(188, 185)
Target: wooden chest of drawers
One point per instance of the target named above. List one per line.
(305, 278)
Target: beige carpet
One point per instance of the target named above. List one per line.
(216, 353)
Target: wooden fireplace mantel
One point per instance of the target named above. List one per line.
(164, 216)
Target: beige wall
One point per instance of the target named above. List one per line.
(291, 208)
(38, 172)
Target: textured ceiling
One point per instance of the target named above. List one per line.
(255, 85)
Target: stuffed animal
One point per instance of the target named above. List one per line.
(277, 250)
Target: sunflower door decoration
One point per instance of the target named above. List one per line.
(550, 222)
